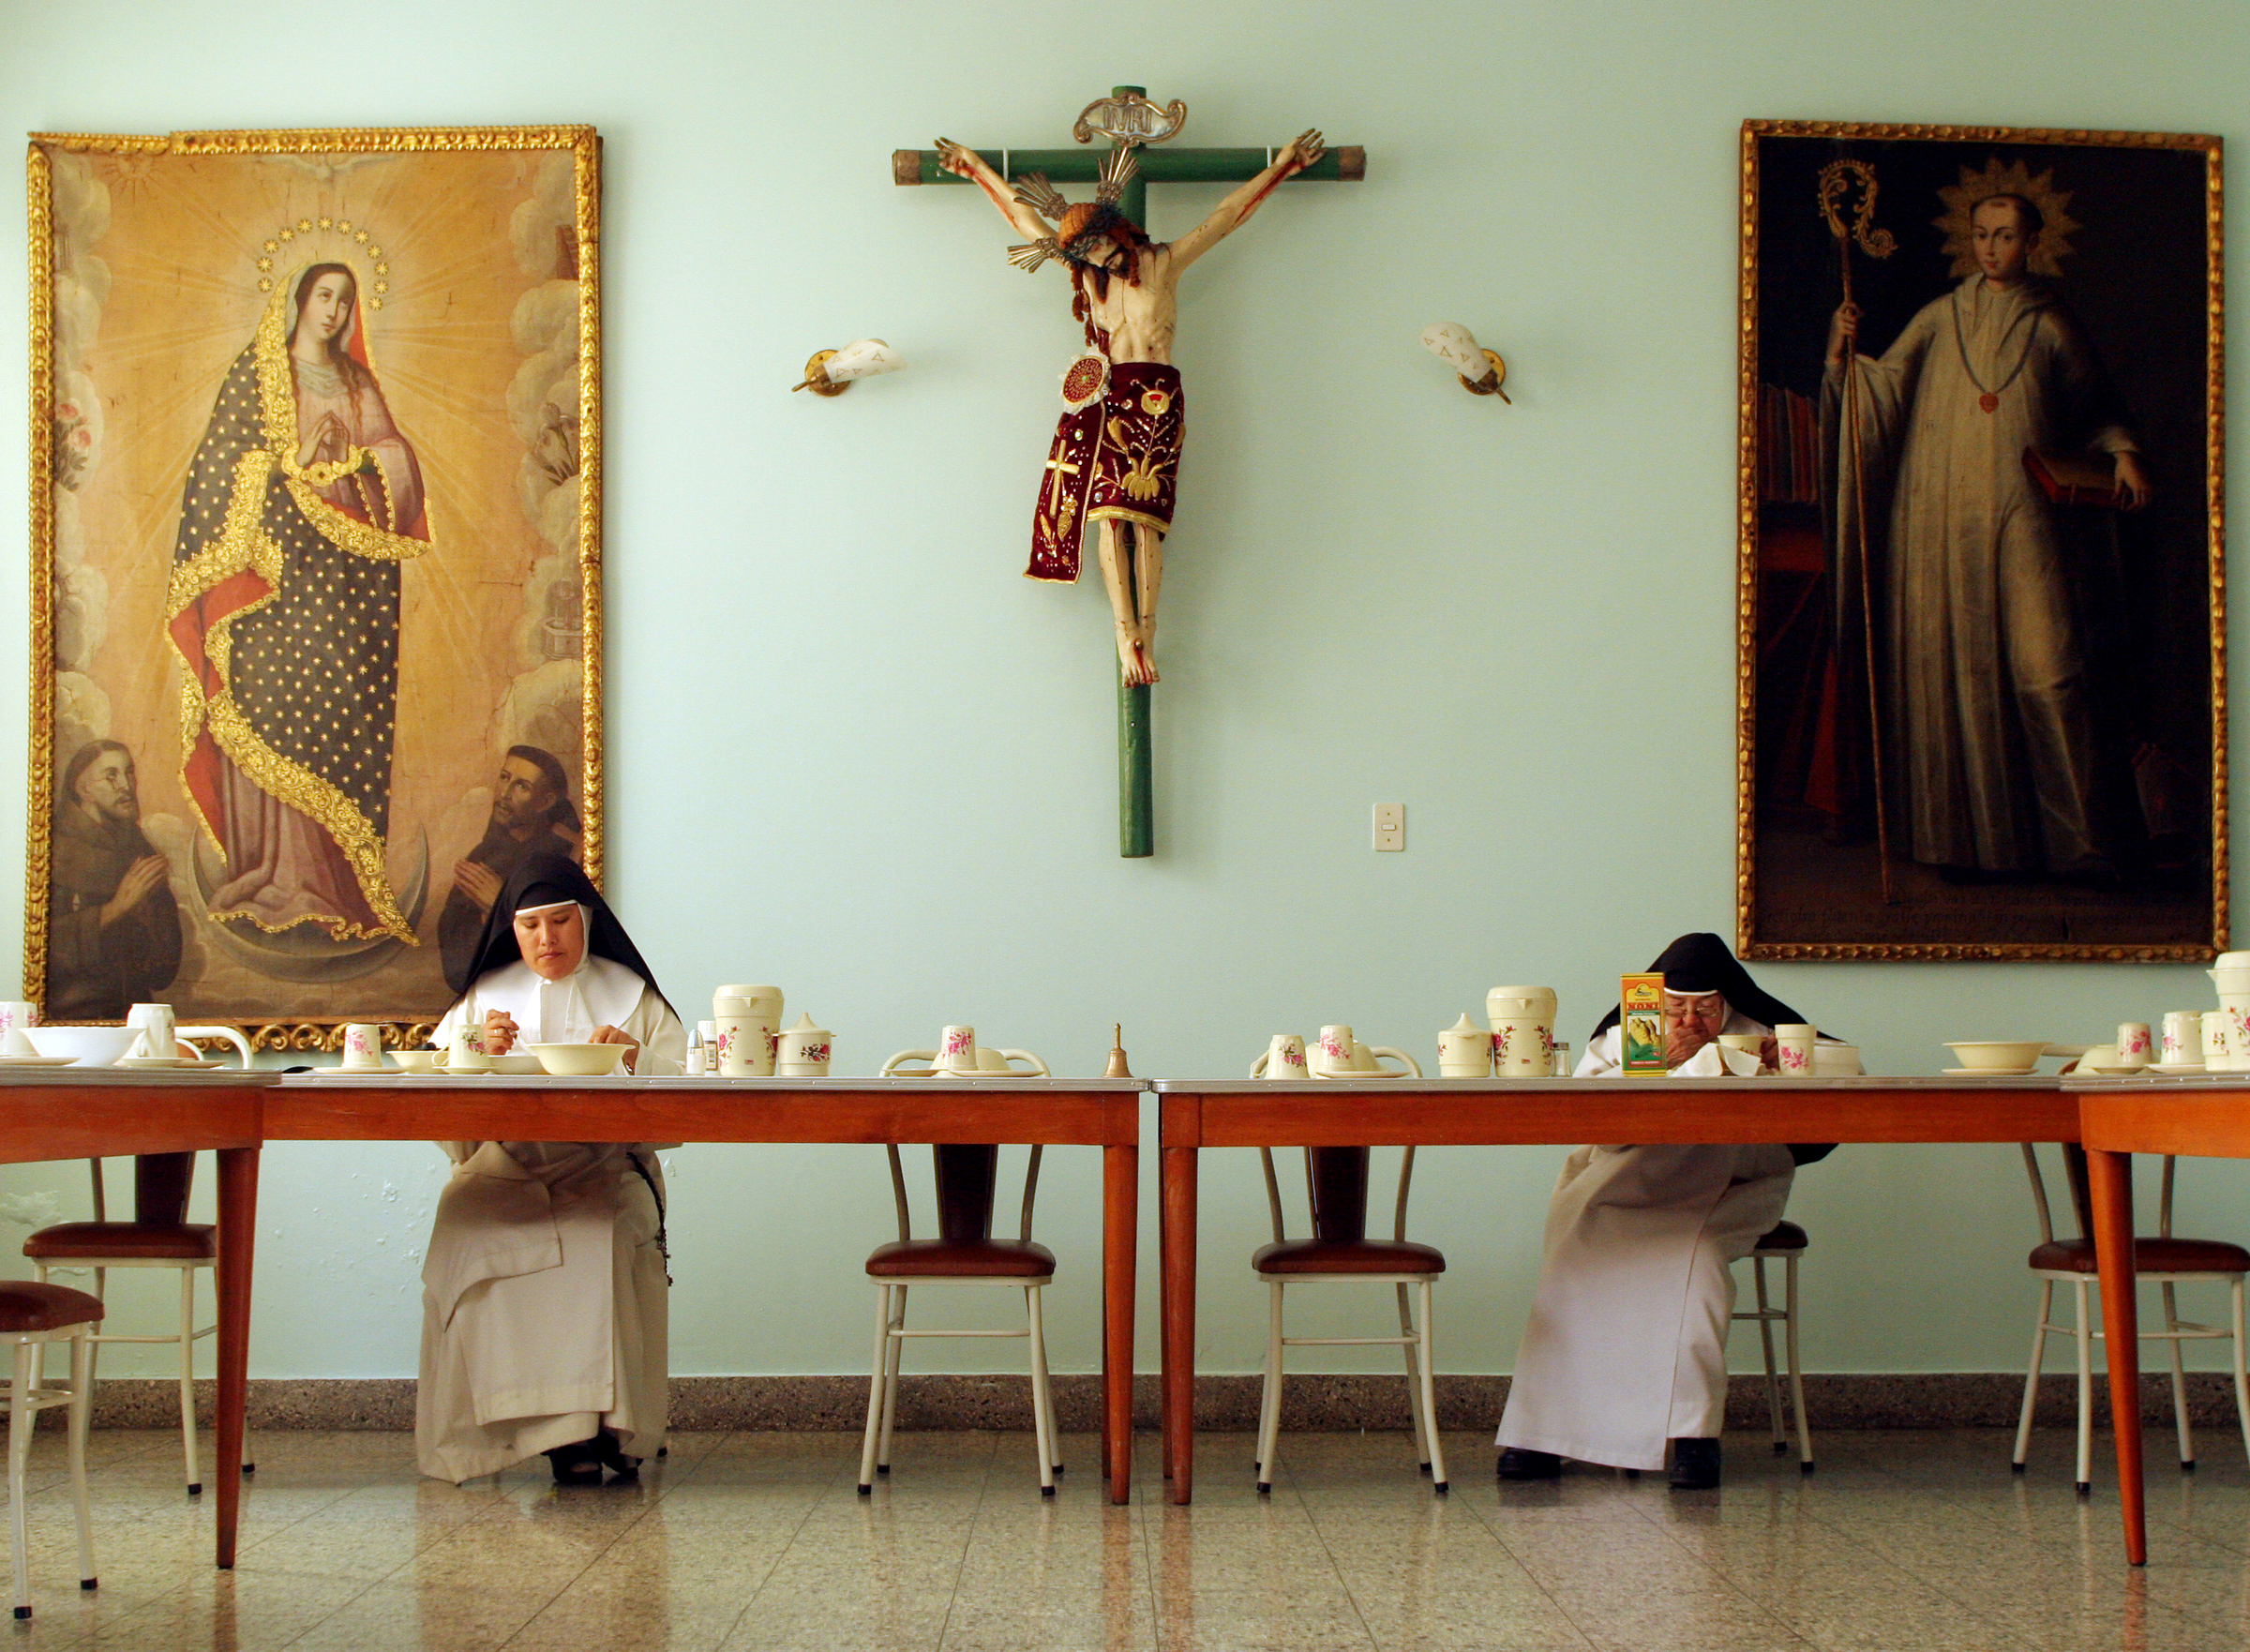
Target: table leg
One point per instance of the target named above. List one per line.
(1178, 1179)
(238, 1225)
(2112, 1178)
(1164, 1343)
(1121, 1217)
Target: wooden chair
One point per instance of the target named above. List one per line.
(2163, 1261)
(32, 1315)
(1340, 1252)
(1786, 1244)
(964, 1252)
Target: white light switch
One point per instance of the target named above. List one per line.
(1390, 827)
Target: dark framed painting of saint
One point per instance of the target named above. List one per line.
(1982, 662)
(315, 563)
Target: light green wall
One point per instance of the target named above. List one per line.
(851, 751)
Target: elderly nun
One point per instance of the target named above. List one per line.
(1625, 1351)
(544, 1294)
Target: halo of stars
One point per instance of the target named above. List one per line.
(283, 241)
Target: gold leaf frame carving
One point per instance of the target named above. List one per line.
(1749, 943)
(584, 143)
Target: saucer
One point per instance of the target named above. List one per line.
(2173, 1069)
(1991, 1071)
(182, 1062)
(36, 1060)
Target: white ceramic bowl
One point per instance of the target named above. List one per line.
(416, 1060)
(86, 1046)
(1837, 1060)
(579, 1060)
(2103, 1057)
(1998, 1055)
(521, 1062)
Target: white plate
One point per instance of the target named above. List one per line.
(1991, 1071)
(36, 1060)
(2173, 1069)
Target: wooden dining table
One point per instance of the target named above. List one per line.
(104, 1112)
(1105, 1113)
(1408, 1112)
(2204, 1117)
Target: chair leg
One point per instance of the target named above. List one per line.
(875, 1387)
(1414, 1382)
(19, 1420)
(1269, 1418)
(2242, 1373)
(898, 1349)
(82, 1417)
(2031, 1380)
(1042, 1422)
(1796, 1368)
(1765, 1336)
(195, 1480)
(2085, 1335)
(1428, 1383)
(2171, 1322)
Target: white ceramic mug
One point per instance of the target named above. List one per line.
(1334, 1051)
(157, 1024)
(14, 1018)
(1284, 1058)
(362, 1044)
(1836, 1061)
(1465, 1050)
(2132, 1043)
(466, 1053)
(2183, 1036)
(2217, 1058)
(957, 1050)
(1797, 1039)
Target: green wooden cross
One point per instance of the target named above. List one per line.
(1136, 821)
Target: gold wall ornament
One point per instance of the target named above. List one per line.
(1128, 117)
(2172, 182)
(314, 207)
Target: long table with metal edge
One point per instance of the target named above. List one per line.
(107, 1112)
(1081, 1112)
(1239, 1113)
(2207, 1117)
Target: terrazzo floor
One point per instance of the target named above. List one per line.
(1900, 1541)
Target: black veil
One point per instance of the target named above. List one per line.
(544, 881)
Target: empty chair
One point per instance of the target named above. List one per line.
(2163, 1261)
(1340, 1252)
(964, 1252)
(32, 1315)
(1784, 1245)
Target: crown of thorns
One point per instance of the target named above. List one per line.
(1092, 222)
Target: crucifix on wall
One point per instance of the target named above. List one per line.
(1114, 460)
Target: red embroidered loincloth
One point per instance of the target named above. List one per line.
(1116, 458)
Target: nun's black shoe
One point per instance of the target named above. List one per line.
(604, 1447)
(576, 1466)
(1694, 1464)
(1518, 1464)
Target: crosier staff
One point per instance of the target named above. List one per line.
(1835, 183)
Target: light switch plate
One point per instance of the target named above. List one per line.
(1391, 827)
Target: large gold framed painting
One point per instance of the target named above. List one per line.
(1982, 625)
(315, 562)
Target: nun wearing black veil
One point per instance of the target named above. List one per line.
(1626, 1348)
(544, 1294)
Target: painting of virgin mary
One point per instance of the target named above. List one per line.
(303, 500)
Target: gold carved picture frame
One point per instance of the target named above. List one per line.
(1981, 584)
(316, 563)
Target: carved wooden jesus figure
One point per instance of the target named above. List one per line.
(1116, 455)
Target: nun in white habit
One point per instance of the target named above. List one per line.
(544, 1294)
(1626, 1349)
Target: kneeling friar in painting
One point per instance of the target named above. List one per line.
(544, 1294)
(1626, 1349)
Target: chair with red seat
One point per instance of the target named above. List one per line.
(964, 1252)
(32, 1314)
(158, 1235)
(2164, 1260)
(1340, 1252)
